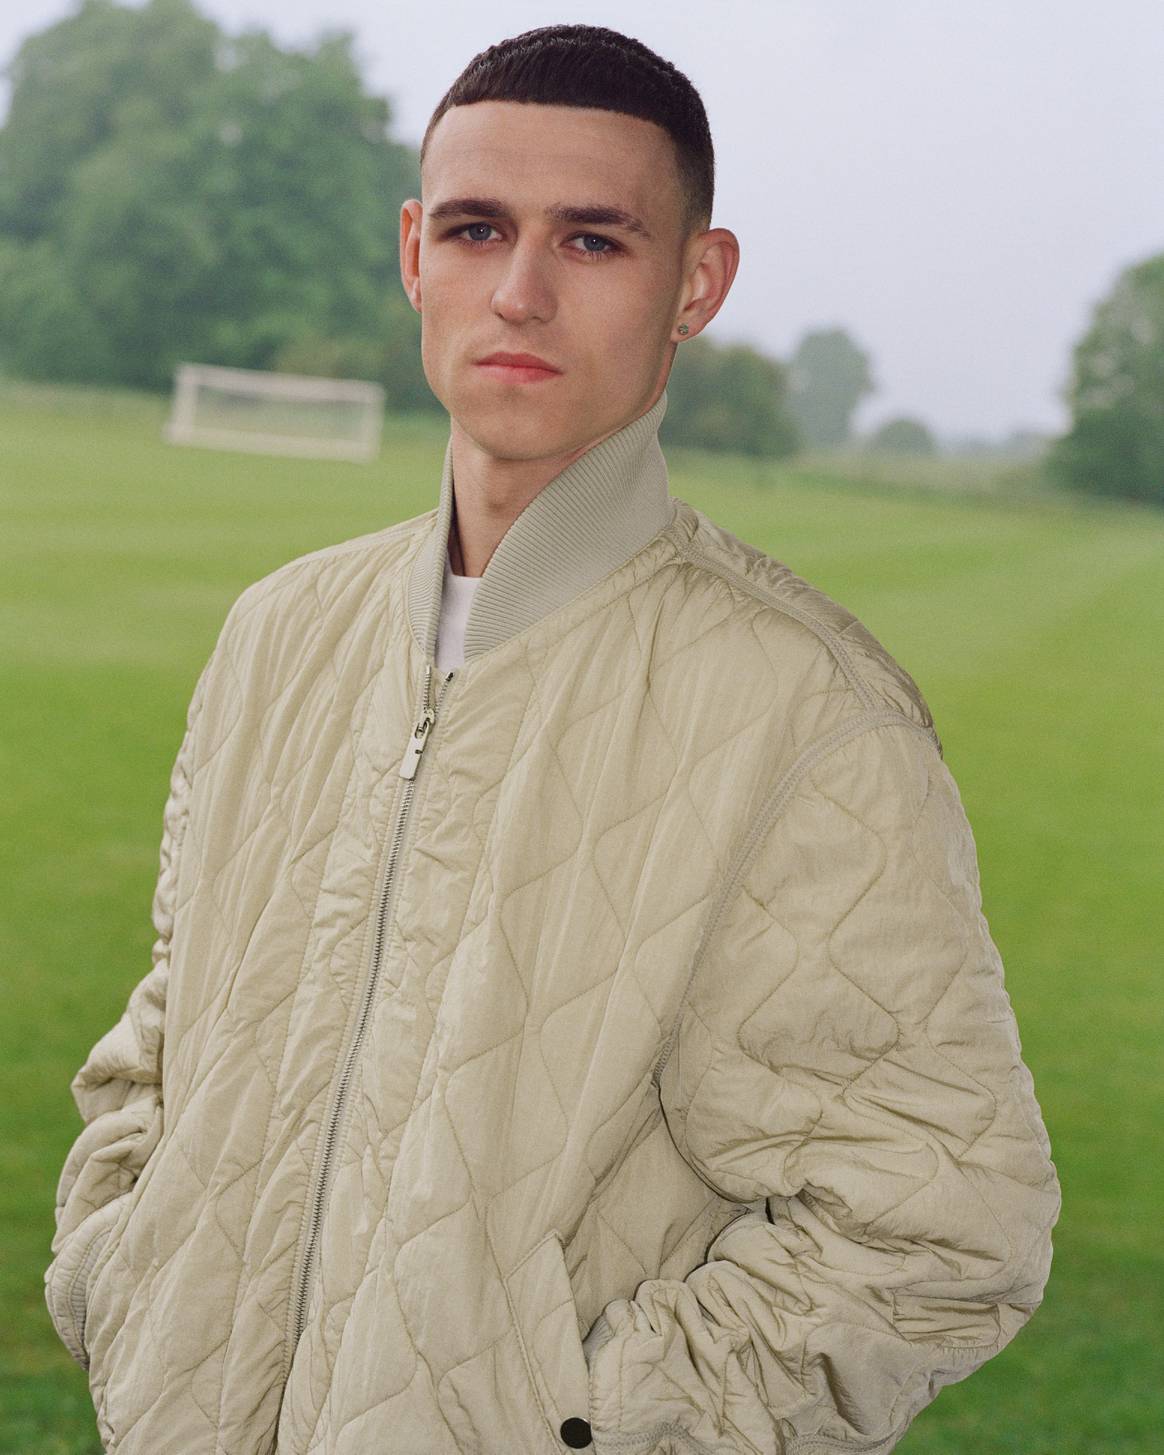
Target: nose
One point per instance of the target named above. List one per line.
(524, 292)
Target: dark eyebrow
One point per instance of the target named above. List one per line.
(597, 215)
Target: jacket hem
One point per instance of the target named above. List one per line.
(826, 1445)
(647, 1440)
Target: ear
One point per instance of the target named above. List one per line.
(711, 260)
(411, 216)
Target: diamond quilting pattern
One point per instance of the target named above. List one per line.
(828, 1083)
(632, 845)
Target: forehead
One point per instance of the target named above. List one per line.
(577, 153)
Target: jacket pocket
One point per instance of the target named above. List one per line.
(68, 1277)
(546, 1316)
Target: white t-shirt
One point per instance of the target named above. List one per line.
(456, 598)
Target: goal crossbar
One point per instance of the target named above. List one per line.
(256, 407)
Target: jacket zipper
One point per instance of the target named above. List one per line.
(408, 769)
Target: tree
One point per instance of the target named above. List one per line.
(830, 375)
(902, 436)
(1115, 445)
(75, 85)
(728, 397)
(197, 196)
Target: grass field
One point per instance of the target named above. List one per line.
(1035, 627)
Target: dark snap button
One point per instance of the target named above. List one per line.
(576, 1433)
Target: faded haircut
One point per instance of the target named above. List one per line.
(591, 66)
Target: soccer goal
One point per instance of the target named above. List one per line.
(275, 414)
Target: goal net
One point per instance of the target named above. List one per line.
(277, 414)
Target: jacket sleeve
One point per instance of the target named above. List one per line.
(846, 1067)
(118, 1092)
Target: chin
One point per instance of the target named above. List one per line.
(519, 427)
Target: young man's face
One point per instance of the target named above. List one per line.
(595, 298)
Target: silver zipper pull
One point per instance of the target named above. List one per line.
(416, 744)
(420, 731)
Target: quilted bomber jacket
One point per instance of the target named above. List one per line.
(599, 1045)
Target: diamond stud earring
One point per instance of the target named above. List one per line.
(683, 328)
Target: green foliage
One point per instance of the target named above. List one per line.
(830, 375)
(1115, 445)
(79, 84)
(387, 349)
(902, 436)
(728, 398)
(168, 193)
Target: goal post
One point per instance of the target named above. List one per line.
(276, 414)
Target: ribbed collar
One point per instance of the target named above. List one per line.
(599, 512)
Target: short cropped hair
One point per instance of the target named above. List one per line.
(589, 65)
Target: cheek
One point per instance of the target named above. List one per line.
(623, 297)
(633, 321)
(446, 286)
(447, 309)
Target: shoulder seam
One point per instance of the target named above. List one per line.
(762, 820)
(831, 639)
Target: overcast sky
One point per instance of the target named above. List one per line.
(955, 184)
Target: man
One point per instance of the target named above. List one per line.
(572, 1023)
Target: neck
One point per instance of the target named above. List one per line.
(584, 522)
(490, 493)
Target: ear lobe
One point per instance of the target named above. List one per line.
(411, 284)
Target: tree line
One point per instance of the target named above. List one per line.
(170, 192)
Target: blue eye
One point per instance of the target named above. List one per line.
(476, 234)
(608, 248)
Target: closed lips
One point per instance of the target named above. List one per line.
(519, 361)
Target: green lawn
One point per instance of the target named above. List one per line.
(1034, 627)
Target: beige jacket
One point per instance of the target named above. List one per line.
(600, 1045)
